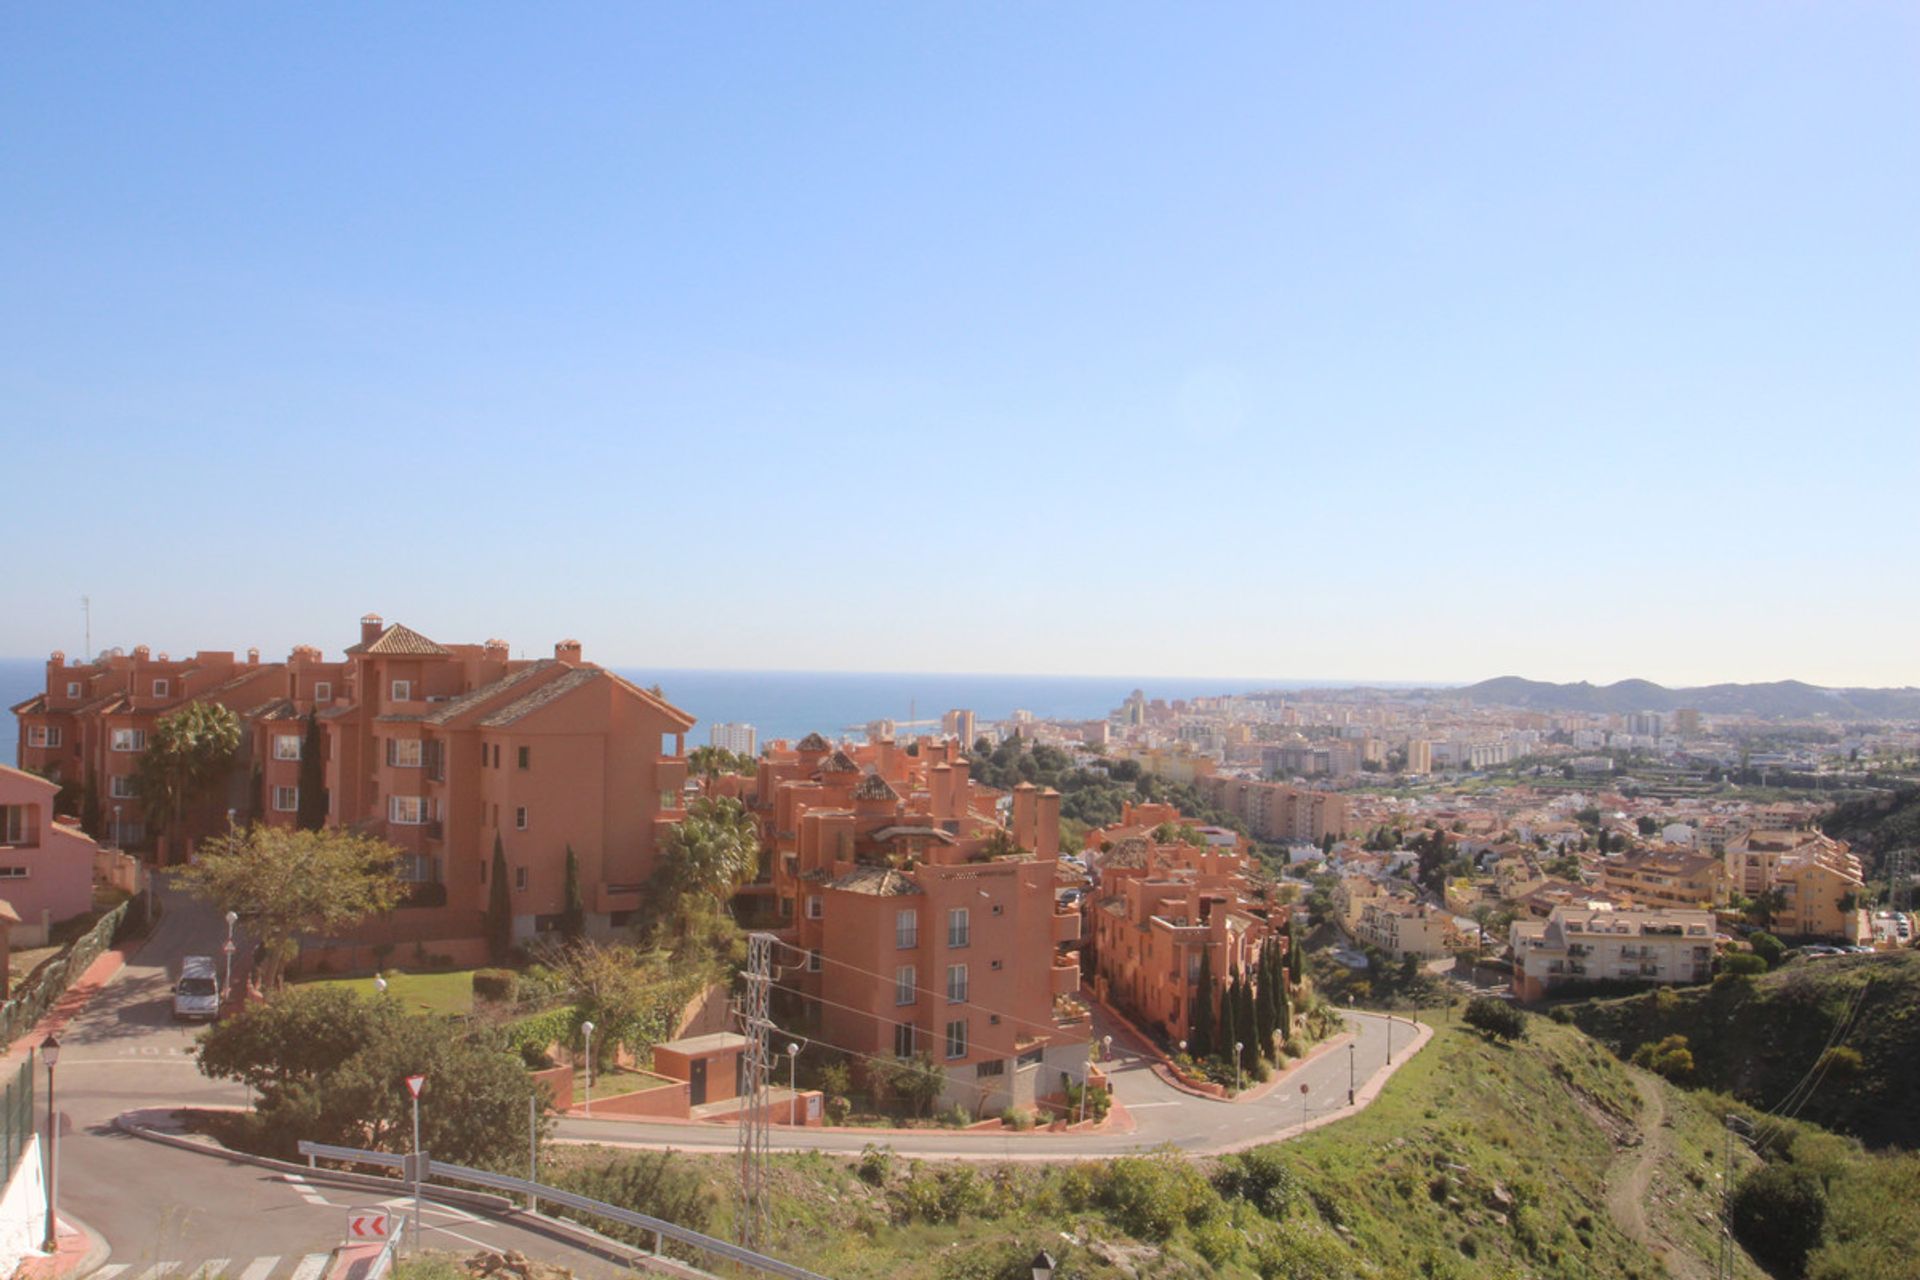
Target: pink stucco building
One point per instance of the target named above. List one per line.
(46, 866)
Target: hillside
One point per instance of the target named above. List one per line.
(1780, 699)
(1757, 1038)
(1877, 823)
(1548, 1158)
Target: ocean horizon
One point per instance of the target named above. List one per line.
(791, 704)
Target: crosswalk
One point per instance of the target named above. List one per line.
(304, 1267)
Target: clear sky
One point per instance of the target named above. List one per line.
(1353, 341)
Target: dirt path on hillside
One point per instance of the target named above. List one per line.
(1630, 1181)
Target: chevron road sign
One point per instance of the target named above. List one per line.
(368, 1224)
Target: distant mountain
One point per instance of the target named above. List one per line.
(1780, 699)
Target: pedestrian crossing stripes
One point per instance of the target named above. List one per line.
(307, 1267)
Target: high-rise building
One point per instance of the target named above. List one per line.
(741, 739)
(1419, 756)
(959, 723)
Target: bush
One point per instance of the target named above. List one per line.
(1260, 1177)
(1017, 1118)
(956, 1117)
(1767, 947)
(1496, 1018)
(838, 1108)
(1780, 1214)
(1151, 1197)
(874, 1165)
(1742, 963)
(499, 986)
(1671, 1057)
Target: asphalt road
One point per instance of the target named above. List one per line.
(1162, 1114)
(156, 1205)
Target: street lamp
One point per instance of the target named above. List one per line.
(50, 1050)
(1238, 1049)
(1351, 1046)
(586, 1029)
(793, 1058)
(1106, 1048)
(379, 985)
(233, 918)
(1043, 1265)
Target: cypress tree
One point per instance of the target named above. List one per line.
(310, 814)
(1250, 1041)
(499, 906)
(1282, 1006)
(573, 916)
(1263, 1005)
(1296, 955)
(1200, 1038)
(1227, 1028)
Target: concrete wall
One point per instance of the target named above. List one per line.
(23, 1210)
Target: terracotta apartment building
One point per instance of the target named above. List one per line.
(1276, 811)
(435, 748)
(920, 912)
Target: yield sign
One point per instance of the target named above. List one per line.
(368, 1224)
(414, 1083)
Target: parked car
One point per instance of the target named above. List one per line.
(197, 994)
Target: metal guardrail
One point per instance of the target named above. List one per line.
(567, 1199)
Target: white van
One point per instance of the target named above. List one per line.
(197, 994)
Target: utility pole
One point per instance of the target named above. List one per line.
(750, 1230)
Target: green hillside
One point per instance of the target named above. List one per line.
(1757, 1039)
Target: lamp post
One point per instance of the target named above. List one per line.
(793, 1059)
(1350, 1071)
(379, 985)
(1389, 1039)
(117, 841)
(233, 918)
(586, 1029)
(1238, 1049)
(50, 1051)
(1106, 1048)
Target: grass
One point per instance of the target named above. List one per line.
(609, 1081)
(445, 992)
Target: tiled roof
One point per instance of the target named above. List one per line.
(548, 693)
(38, 702)
(882, 882)
(399, 641)
(493, 688)
(1130, 852)
(839, 762)
(812, 742)
(874, 787)
(918, 833)
(279, 709)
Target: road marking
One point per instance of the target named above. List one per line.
(307, 1193)
(1142, 1106)
(158, 1270)
(311, 1267)
(109, 1271)
(478, 1244)
(212, 1268)
(258, 1269)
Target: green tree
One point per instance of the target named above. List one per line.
(1779, 1213)
(186, 759)
(1200, 1036)
(1226, 1030)
(710, 762)
(289, 883)
(1243, 1016)
(573, 912)
(1296, 954)
(311, 813)
(1263, 1005)
(499, 922)
(1495, 1017)
(713, 850)
(1767, 947)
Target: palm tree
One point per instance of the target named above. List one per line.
(186, 759)
(715, 849)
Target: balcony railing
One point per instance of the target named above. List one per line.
(433, 829)
(425, 893)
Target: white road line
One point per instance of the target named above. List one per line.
(478, 1244)
(109, 1271)
(311, 1267)
(212, 1268)
(258, 1269)
(158, 1270)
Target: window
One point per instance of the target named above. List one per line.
(906, 929)
(402, 691)
(496, 755)
(959, 927)
(483, 871)
(286, 799)
(957, 1038)
(13, 873)
(159, 688)
(905, 979)
(903, 1041)
(999, 909)
(786, 908)
(407, 811)
(998, 1067)
(668, 801)
(813, 962)
(814, 907)
(73, 688)
(1031, 1058)
(286, 746)
(404, 753)
(957, 983)
(323, 691)
(120, 787)
(15, 822)
(520, 818)
(520, 878)
(129, 739)
(416, 868)
(994, 965)
(433, 758)
(43, 735)
(526, 757)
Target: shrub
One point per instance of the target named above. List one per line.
(1779, 1214)
(496, 985)
(1151, 1197)
(1560, 1014)
(835, 1077)
(1742, 963)
(1260, 1177)
(1767, 947)
(1098, 1101)
(1671, 1057)
(1017, 1118)
(1842, 1061)
(1496, 1018)
(838, 1108)
(874, 1165)
(956, 1117)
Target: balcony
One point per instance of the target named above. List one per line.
(433, 829)
(1066, 927)
(424, 893)
(1066, 979)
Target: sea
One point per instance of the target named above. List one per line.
(791, 704)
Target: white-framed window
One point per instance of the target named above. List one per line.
(416, 868)
(815, 908)
(73, 688)
(406, 811)
(959, 927)
(286, 746)
(957, 1038)
(129, 740)
(520, 878)
(43, 735)
(286, 799)
(160, 688)
(15, 822)
(13, 873)
(813, 962)
(402, 691)
(323, 691)
(905, 981)
(403, 753)
(957, 983)
(906, 930)
(120, 786)
(520, 818)
(903, 1041)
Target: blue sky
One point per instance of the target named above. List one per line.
(1392, 341)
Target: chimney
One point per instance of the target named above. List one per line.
(253, 657)
(1026, 813)
(58, 659)
(1047, 826)
(141, 653)
(370, 628)
(940, 784)
(496, 649)
(568, 651)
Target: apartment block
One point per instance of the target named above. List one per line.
(1819, 878)
(1276, 811)
(1671, 877)
(1576, 945)
(741, 739)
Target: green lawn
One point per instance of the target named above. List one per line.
(449, 992)
(612, 1081)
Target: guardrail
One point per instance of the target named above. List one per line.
(51, 980)
(660, 1227)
